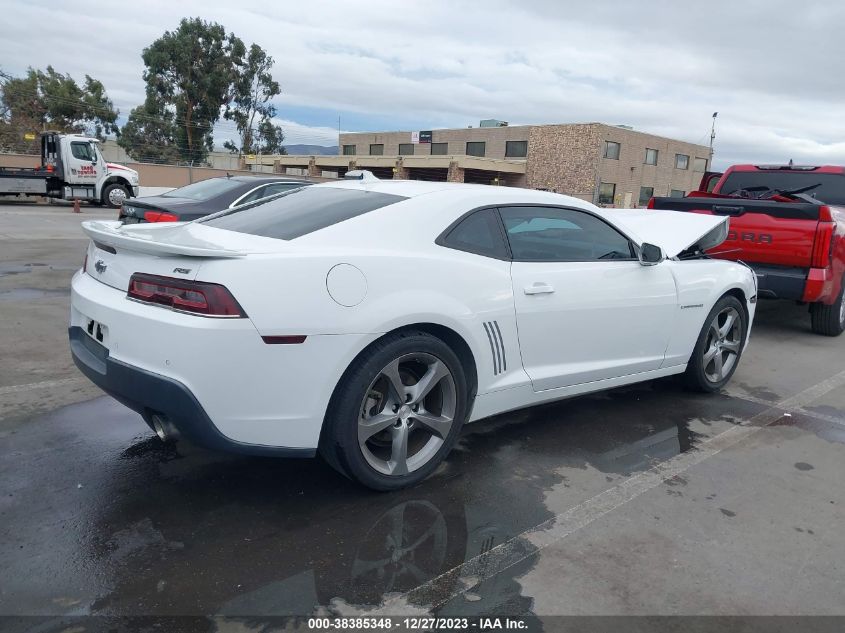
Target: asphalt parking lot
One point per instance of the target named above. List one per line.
(642, 500)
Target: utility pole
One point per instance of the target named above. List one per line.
(712, 138)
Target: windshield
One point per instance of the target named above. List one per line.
(829, 188)
(204, 189)
(289, 215)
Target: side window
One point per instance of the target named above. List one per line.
(550, 234)
(478, 233)
(268, 190)
(82, 151)
(254, 195)
(277, 187)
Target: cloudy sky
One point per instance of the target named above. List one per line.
(773, 69)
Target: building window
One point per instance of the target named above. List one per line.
(611, 150)
(681, 161)
(646, 194)
(700, 164)
(607, 192)
(516, 149)
(476, 148)
(439, 149)
(650, 156)
(349, 150)
(377, 149)
(677, 193)
(406, 149)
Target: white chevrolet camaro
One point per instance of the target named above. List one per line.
(371, 319)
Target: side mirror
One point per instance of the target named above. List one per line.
(651, 254)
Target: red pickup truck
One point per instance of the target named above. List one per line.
(788, 224)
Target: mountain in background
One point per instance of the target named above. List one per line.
(312, 150)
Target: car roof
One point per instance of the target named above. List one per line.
(423, 210)
(485, 194)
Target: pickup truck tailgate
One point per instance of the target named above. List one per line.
(761, 231)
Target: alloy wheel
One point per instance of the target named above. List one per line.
(407, 414)
(724, 340)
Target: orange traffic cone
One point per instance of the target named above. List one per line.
(76, 208)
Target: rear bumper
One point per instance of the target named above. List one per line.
(149, 393)
(780, 282)
(811, 285)
(215, 380)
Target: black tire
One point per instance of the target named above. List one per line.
(339, 444)
(829, 320)
(107, 193)
(696, 376)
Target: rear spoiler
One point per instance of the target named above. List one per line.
(154, 239)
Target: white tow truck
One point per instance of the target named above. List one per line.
(72, 168)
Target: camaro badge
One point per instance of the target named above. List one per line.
(100, 266)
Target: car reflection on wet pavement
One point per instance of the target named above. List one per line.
(104, 518)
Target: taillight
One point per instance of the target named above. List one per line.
(159, 216)
(85, 261)
(823, 246)
(196, 297)
(825, 214)
(650, 204)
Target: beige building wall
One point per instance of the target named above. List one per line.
(494, 138)
(149, 175)
(630, 173)
(563, 159)
(566, 158)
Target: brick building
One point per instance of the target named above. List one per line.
(605, 164)
(602, 163)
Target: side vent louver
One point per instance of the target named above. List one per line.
(497, 346)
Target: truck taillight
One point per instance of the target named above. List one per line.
(159, 216)
(650, 204)
(825, 214)
(196, 297)
(823, 246)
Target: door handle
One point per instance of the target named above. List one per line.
(539, 288)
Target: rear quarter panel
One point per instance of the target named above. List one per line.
(287, 295)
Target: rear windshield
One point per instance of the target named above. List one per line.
(204, 189)
(830, 188)
(301, 211)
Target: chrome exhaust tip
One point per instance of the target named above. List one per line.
(164, 428)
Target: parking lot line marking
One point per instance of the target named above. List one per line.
(533, 540)
(800, 410)
(821, 416)
(39, 385)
